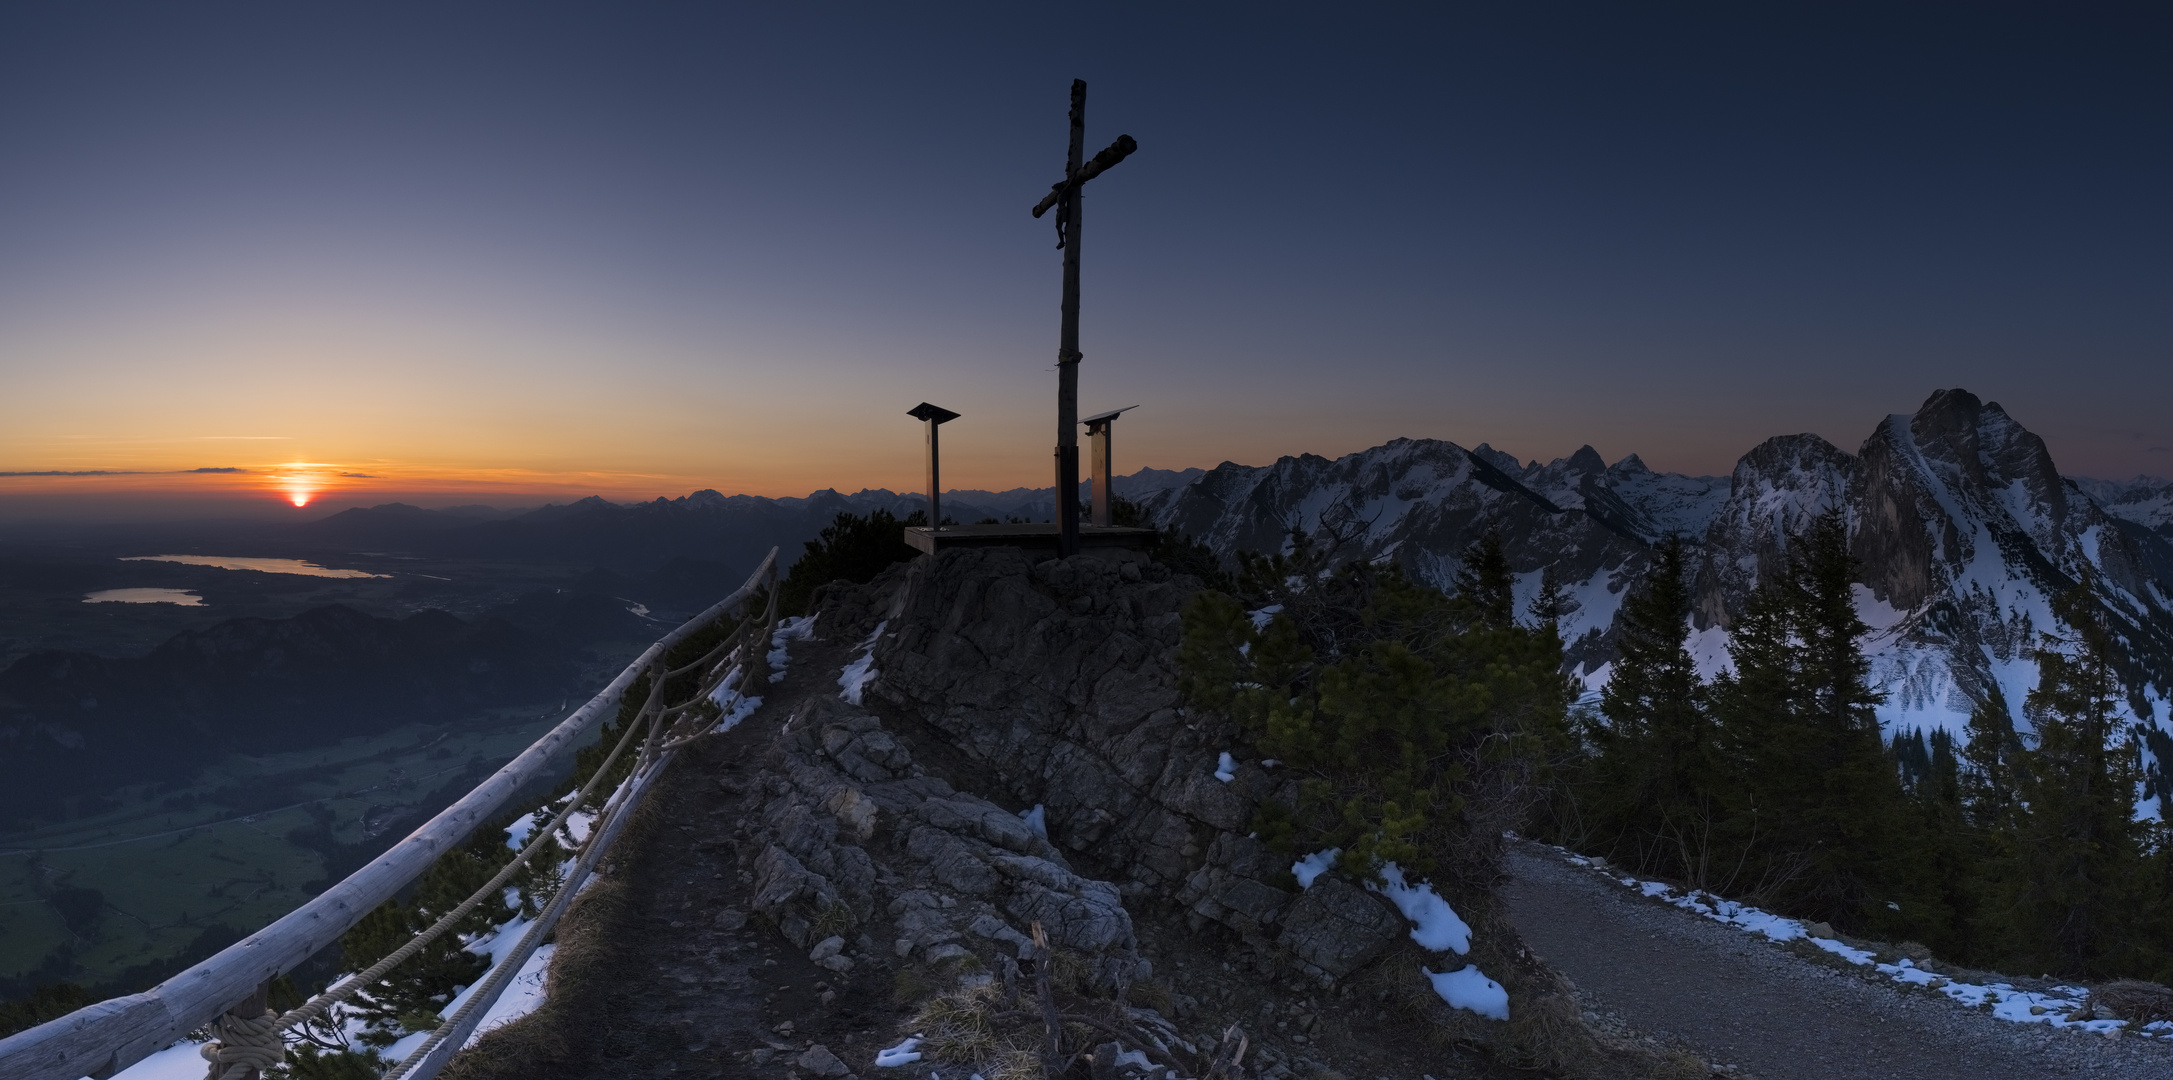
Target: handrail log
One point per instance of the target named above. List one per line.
(100, 1040)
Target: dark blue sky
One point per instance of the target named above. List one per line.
(657, 246)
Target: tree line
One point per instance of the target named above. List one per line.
(2016, 849)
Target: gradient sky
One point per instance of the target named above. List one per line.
(480, 251)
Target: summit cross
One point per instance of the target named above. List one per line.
(1064, 195)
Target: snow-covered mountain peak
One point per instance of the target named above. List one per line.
(1962, 524)
(1505, 462)
(2145, 500)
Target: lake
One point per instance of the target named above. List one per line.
(266, 566)
(183, 597)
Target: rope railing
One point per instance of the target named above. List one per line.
(102, 1039)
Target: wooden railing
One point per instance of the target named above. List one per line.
(100, 1040)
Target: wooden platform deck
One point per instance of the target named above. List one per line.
(1034, 537)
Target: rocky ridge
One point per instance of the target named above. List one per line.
(1964, 526)
(830, 877)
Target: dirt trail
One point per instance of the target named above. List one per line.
(1735, 998)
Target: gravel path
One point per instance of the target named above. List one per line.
(1737, 999)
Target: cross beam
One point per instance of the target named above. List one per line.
(1064, 195)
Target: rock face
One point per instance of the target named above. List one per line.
(1777, 489)
(1056, 678)
(851, 825)
(1965, 531)
(1422, 502)
(2146, 501)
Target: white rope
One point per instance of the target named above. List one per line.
(241, 1043)
(656, 753)
(486, 993)
(651, 712)
(316, 1006)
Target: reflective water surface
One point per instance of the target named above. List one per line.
(183, 597)
(268, 566)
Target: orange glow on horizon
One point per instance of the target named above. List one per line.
(301, 481)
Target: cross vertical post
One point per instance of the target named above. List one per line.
(1065, 196)
(1067, 349)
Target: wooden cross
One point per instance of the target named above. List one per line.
(1065, 195)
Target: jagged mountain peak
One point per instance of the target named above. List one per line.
(1503, 461)
(2145, 500)
(1964, 531)
(1585, 460)
(1962, 525)
(1774, 493)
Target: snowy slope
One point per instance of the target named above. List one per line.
(2145, 500)
(1422, 502)
(1964, 527)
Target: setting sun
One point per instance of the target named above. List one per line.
(301, 481)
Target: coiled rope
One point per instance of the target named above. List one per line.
(245, 1042)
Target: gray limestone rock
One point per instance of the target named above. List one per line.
(820, 1061)
(1336, 926)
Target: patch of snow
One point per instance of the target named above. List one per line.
(1313, 866)
(2007, 1003)
(1470, 989)
(517, 833)
(1037, 820)
(737, 705)
(858, 674)
(1226, 768)
(901, 1054)
(1262, 617)
(1434, 924)
(523, 994)
(181, 1061)
(1877, 614)
(1709, 651)
(799, 628)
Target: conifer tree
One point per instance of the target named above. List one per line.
(1552, 602)
(1988, 765)
(2079, 871)
(1656, 764)
(1819, 822)
(1857, 825)
(1484, 582)
(1765, 741)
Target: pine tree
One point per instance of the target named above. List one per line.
(1818, 819)
(1988, 766)
(2079, 870)
(1484, 581)
(1552, 602)
(1763, 740)
(1947, 852)
(1655, 770)
(1857, 825)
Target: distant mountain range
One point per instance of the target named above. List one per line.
(1964, 526)
(636, 540)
